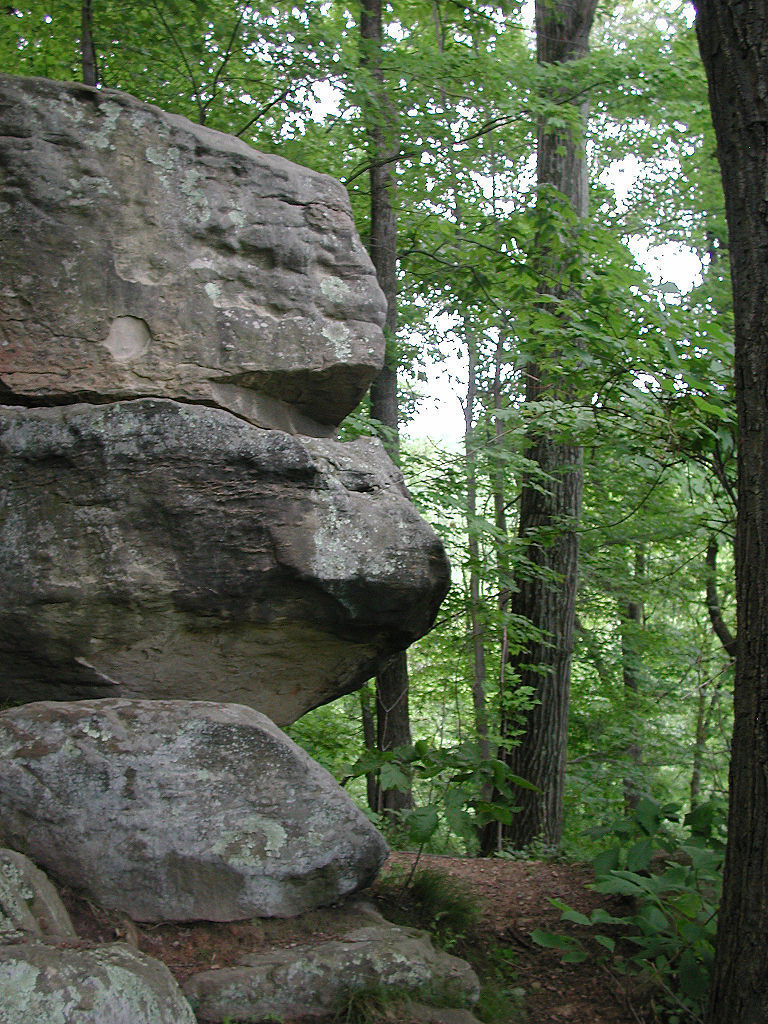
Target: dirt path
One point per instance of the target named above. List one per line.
(515, 899)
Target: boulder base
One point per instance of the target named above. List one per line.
(177, 810)
(314, 982)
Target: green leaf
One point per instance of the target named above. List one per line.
(551, 940)
(392, 777)
(574, 956)
(647, 814)
(606, 861)
(693, 977)
(651, 919)
(606, 941)
(619, 884)
(422, 824)
(639, 856)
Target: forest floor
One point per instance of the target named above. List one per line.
(514, 899)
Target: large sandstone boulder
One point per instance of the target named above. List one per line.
(142, 254)
(178, 810)
(107, 985)
(154, 549)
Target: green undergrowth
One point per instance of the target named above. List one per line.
(666, 876)
(374, 1005)
(440, 905)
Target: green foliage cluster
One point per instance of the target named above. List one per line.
(450, 782)
(669, 875)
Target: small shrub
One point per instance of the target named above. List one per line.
(373, 1005)
(431, 900)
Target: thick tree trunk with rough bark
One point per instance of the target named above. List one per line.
(392, 712)
(733, 40)
(551, 495)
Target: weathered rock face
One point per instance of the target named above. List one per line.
(107, 985)
(314, 982)
(179, 810)
(30, 907)
(154, 549)
(141, 254)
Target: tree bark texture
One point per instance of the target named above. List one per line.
(87, 49)
(551, 495)
(392, 711)
(733, 40)
(631, 618)
(369, 739)
(382, 130)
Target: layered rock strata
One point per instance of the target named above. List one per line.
(154, 545)
(154, 549)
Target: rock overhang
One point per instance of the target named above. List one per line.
(155, 549)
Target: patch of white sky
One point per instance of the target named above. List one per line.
(673, 268)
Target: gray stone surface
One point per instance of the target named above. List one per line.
(30, 907)
(440, 1015)
(314, 981)
(177, 810)
(112, 984)
(142, 254)
(155, 549)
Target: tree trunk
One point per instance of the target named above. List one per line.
(369, 739)
(87, 50)
(631, 619)
(551, 496)
(733, 40)
(721, 630)
(699, 745)
(393, 718)
(473, 548)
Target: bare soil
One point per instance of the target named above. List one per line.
(514, 897)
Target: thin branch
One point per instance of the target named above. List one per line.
(266, 108)
(172, 36)
(402, 154)
(227, 55)
(724, 635)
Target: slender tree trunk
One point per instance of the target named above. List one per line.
(733, 39)
(475, 618)
(700, 744)
(492, 835)
(631, 618)
(369, 739)
(392, 711)
(714, 608)
(87, 50)
(550, 502)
